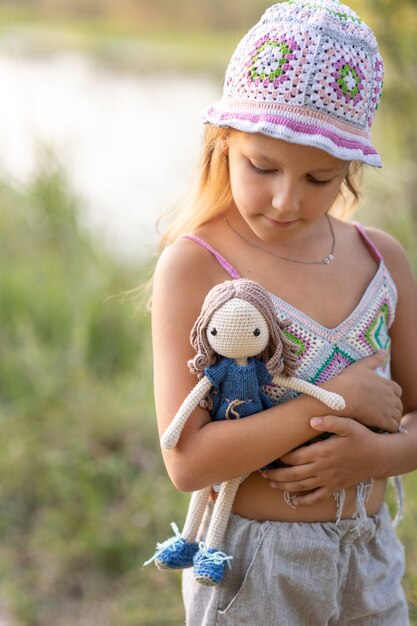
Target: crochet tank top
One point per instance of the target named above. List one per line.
(325, 352)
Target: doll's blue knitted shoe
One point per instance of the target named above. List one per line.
(178, 555)
(174, 553)
(209, 565)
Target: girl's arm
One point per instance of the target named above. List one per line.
(207, 452)
(356, 453)
(211, 452)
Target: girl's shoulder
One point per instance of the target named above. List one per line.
(384, 243)
(186, 270)
(180, 275)
(388, 246)
(191, 255)
(394, 255)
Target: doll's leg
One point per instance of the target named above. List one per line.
(209, 560)
(178, 551)
(198, 504)
(172, 434)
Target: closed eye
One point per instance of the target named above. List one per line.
(260, 170)
(315, 181)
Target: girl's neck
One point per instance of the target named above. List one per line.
(314, 240)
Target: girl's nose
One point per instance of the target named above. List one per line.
(286, 198)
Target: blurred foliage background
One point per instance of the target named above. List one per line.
(83, 492)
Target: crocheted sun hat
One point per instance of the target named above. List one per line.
(309, 72)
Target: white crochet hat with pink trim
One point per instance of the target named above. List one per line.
(308, 72)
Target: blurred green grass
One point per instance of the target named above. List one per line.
(83, 491)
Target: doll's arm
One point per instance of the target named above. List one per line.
(172, 434)
(332, 400)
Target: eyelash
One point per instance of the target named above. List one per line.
(322, 183)
(259, 170)
(262, 172)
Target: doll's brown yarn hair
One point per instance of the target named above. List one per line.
(280, 354)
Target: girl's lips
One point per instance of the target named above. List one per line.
(280, 224)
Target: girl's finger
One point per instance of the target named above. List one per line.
(296, 486)
(322, 493)
(374, 360)
(342, 426)
(289, 474)
(301, 456)
(397, 389)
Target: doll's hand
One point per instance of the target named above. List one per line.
(370, 398)
(354, 454)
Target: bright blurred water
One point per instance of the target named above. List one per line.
(128, 142)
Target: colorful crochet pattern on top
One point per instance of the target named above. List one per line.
(308, 73)
(325, 352)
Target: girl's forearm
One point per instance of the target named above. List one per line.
(222, 450)
(398, 454)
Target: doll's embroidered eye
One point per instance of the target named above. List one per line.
(213, 331)
(256, 332)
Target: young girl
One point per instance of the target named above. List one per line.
(292, 127)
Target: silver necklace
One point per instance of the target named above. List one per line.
(326, 261)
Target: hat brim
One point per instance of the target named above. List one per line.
(296, 126)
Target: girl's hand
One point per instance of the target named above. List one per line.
(370, 398)
(324, 467)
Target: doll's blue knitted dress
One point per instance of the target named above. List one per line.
(237, 389)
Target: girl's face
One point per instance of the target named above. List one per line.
(280, 188)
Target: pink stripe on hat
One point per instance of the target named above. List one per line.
(298, 127)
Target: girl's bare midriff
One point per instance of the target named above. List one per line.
(257, 500)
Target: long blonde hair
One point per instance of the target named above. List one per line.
(210, 194)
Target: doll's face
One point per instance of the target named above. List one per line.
(237, 330)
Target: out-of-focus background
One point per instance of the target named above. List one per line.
(99, 128)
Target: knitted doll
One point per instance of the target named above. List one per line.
(241, 349)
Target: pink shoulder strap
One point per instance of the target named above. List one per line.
(223, 262)
(371, 246)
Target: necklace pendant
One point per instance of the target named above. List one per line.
(329, 258)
